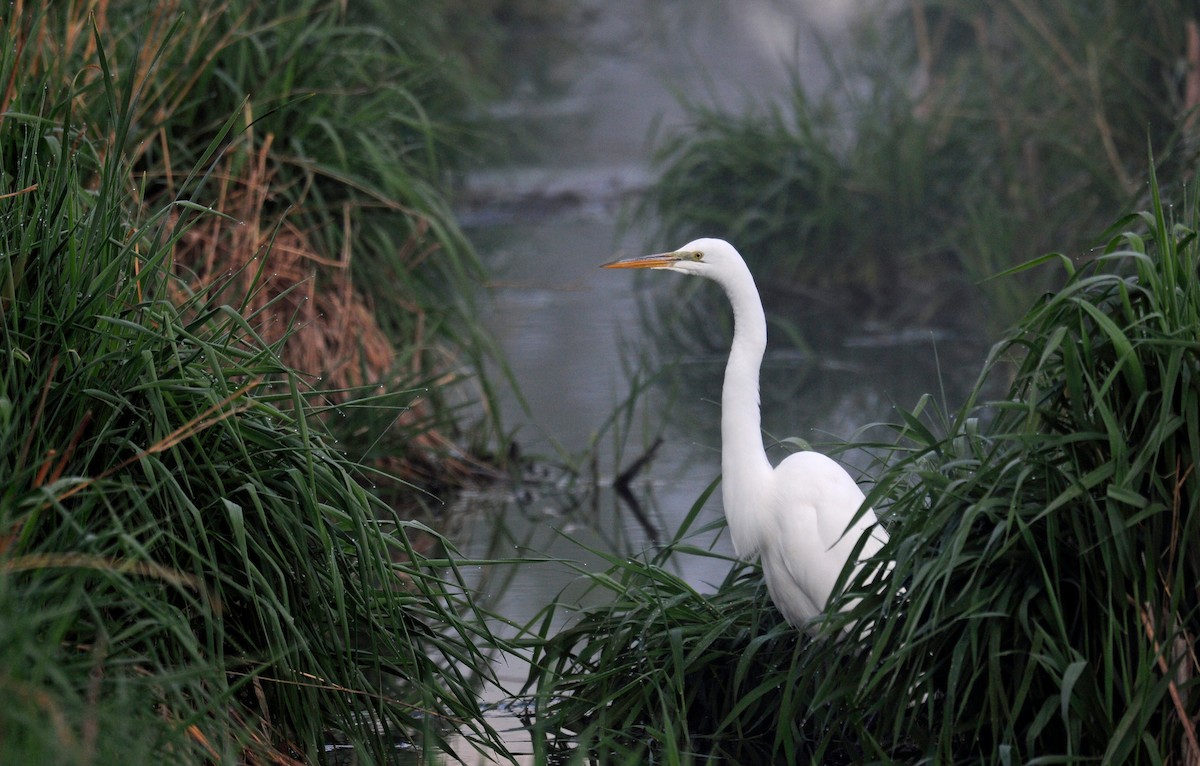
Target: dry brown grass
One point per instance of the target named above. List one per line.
(264, 263)
(293, 295)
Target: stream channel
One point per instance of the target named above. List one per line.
(571, 333)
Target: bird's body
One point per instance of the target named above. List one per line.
(804, 517)
(814, 537)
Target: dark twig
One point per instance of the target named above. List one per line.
(625, 477)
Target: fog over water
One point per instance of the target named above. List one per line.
(570, 332)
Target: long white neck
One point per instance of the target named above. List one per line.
(746, 472)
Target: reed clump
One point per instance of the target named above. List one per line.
(1043, 601)
(956, 139)
(331, 183)
(190, 569)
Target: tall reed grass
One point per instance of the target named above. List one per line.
(348, 121)
(190, 571)
(957, 140)
(1043, 602)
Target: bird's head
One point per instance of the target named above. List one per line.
(712, 258)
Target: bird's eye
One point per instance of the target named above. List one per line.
(698, 255)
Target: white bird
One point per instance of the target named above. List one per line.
(802, 518)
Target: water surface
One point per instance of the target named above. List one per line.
(577, 338)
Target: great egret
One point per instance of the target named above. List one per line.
(799, 517)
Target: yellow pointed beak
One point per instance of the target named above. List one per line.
(658, 261)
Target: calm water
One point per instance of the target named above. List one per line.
(571, 333)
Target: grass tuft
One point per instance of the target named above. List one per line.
(189, 571)
(325, 134)
(955, 140)
(1043, 601)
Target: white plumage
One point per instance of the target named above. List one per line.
(798, 517)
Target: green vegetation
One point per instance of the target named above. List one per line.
(1043, 604)
(224, 252)
(959, 139)
(340, 126)
(190, 569)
